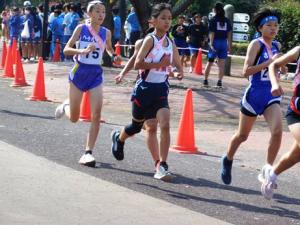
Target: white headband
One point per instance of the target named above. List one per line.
(92, 3)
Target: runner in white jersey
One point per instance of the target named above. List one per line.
(292, 157)
(150, 95)
(86, 75)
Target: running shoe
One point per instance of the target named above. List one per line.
(268, 184)
(226, 166)
(87, 159)
(60, 110)
(117, 147)
(162, 172)
(191, 70)
(219, 84)
(205, 83)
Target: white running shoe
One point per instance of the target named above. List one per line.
(87, 160)
(191, 70)
(60, 110)
(162, 173)
(268, 185)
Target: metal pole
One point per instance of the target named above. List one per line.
(45, 28)
(229, 10)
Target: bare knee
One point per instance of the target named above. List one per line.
(241, 137)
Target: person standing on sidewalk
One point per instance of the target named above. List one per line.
(150, 95)
(257, 99)
(135, 29)
(87, 74)
(269, 173)
(219, 43)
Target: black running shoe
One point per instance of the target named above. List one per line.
(205, 83)
(219, 84)
(117, 147)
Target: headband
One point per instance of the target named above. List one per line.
(92, 3)
(267, 19)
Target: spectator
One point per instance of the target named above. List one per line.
(27, 34)
(37, 29)
(15, 24)
(117, 26)
(4, 25)
(180, 33)
(197, 35)
(56, 27)
(135, 29)
(219, 42)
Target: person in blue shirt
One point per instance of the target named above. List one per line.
(26, 41)
(15, 24)
(56, 27)
(220, 38)
(37, 29)
(135, 29)
(117, 26)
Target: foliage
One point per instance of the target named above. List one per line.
(289, 33)
(239, 48)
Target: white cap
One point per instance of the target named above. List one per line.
(27, 3)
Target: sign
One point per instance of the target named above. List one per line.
(240, 37)
(240, 27)
(241, 17)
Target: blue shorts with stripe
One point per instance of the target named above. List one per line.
(257, 99)
(85, 76)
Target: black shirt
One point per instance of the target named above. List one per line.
(197, 33)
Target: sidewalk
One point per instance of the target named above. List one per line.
(38, 191)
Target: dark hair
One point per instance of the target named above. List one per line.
(41, 7)
(115, 10)
(66, 5)
(220, 12)
(150, 30)
(262, 13)
(181, 17)
(158, 8)
(15, 9)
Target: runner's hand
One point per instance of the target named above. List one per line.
(119, 78)
(277, 90)
(88, 49)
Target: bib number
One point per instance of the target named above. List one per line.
(265, 74)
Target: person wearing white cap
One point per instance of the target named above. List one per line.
(27, 3)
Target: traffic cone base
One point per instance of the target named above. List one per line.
(184, 150)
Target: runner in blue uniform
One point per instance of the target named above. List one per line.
(292, 157)
(150, 95)
(257, 99)
(87, 73)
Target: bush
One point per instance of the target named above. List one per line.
(239, 48)
(289, 33)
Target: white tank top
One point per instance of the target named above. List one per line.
(155, 55)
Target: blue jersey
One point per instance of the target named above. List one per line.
(261, 78)
(86, 38)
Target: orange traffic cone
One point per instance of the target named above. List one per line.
(185, 142)
(3, 57)
(14, 51)
(38, 92)
(8, 67)
(56, 55)
(198, 65)
(85, 108)
(20, 76)
(118, 53)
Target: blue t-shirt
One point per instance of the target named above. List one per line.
(220, 28)
(134, 23)
(56, 26)
(15, 25)
(117, 27)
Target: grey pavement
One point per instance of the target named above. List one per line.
(36, 191)
(30, 126)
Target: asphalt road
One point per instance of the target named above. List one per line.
(197, 186)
